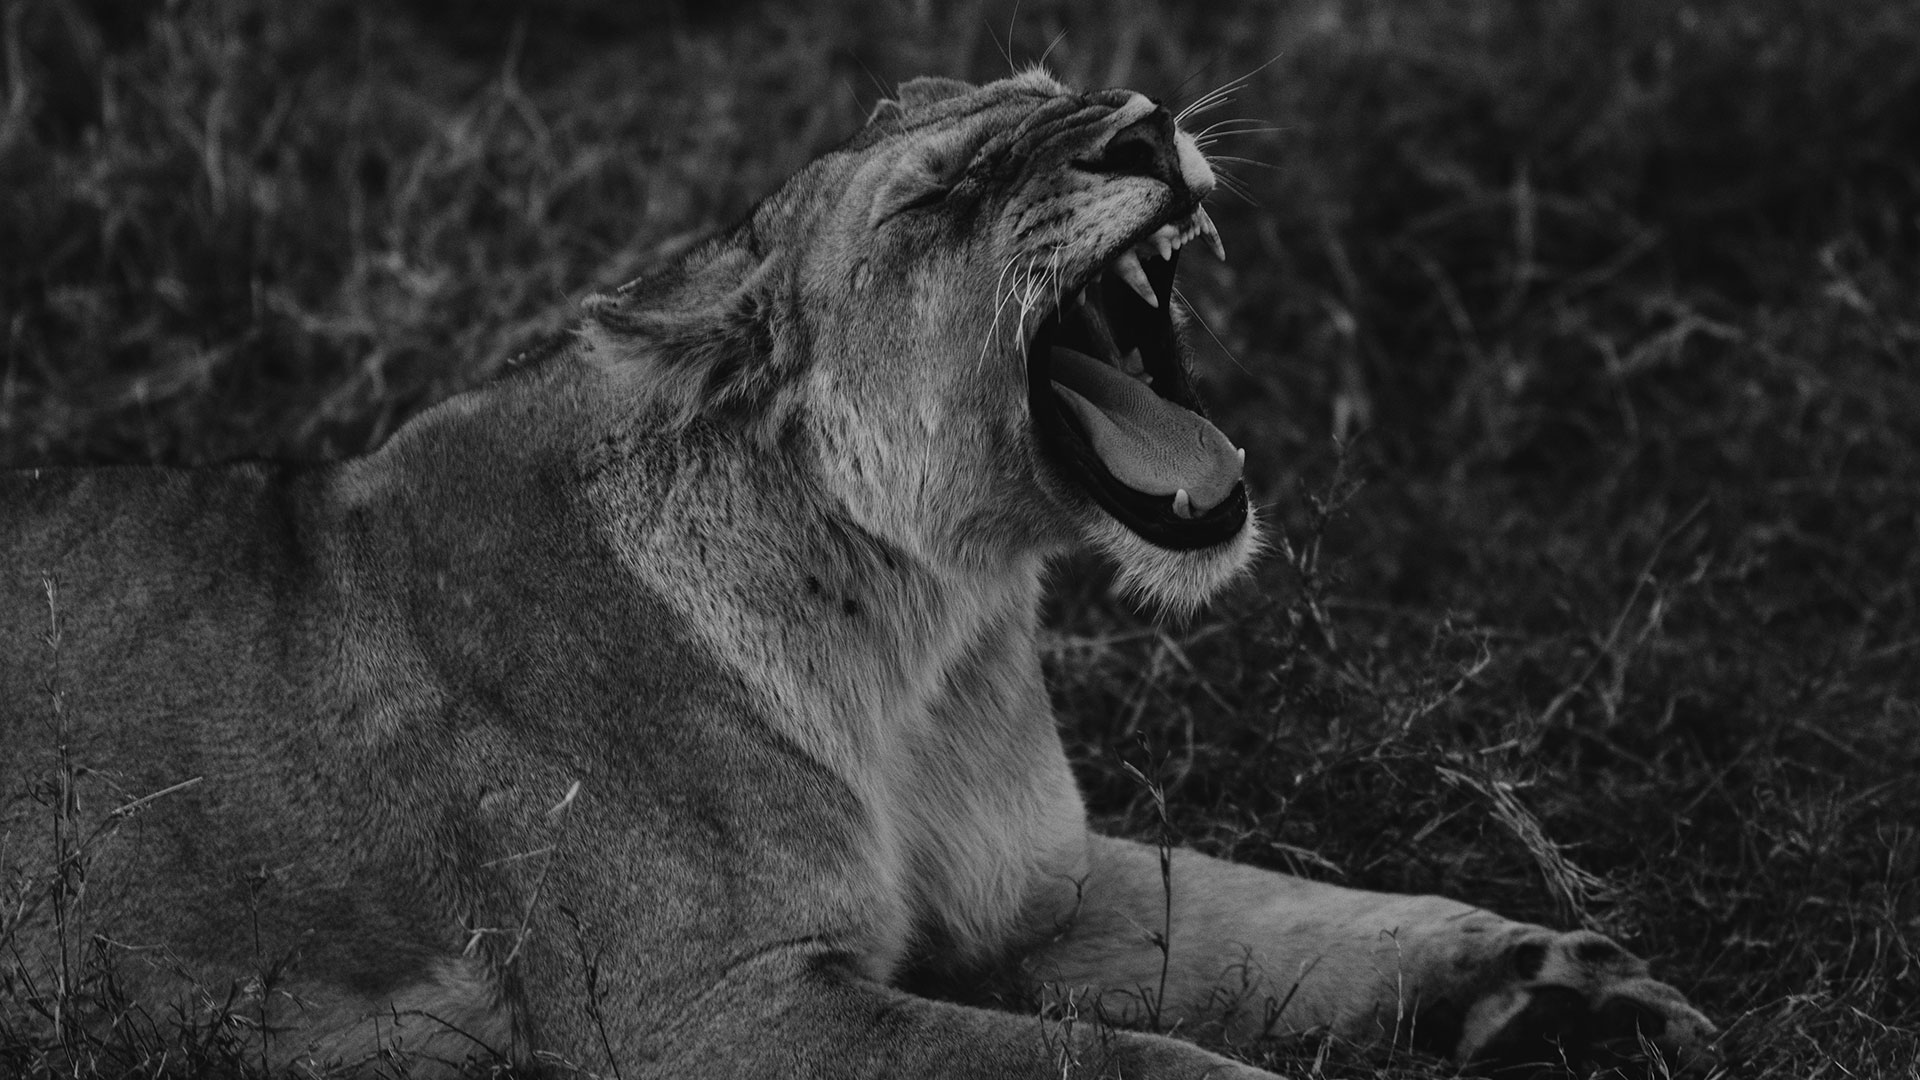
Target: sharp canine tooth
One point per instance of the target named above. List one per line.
(1242, 452)
(1128, 267)
(1182, 504)
(1207, 229)
(1166, 240)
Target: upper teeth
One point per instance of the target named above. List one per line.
(1173, 236)
(1128, 267)
(1205, 226)
(1161, 243)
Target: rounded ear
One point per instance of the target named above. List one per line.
(708, 332)
(914, 93)
(922, 176)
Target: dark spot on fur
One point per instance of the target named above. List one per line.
(1527, 959)
(850, 607)
(813, 585)
(1555, 1025)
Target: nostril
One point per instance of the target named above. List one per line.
(1142, 148)
(1130, 152)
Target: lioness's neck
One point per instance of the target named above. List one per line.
(742, 538)
(844, 633)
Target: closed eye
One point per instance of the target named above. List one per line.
(930, 198)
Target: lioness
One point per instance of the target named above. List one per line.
(667, 704)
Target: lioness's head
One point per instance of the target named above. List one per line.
(964, 319)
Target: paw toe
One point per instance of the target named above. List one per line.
(1573, 999)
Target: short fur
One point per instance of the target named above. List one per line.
(669, 703)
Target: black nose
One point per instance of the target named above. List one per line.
(1143, 148)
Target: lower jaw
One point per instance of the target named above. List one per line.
(1218, 526)
(1148, 517)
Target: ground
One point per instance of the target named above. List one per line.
(1575, 345)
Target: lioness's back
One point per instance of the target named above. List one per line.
(117, 583)
(270, 671)
(110, 562)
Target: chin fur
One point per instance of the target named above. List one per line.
(1174, 583)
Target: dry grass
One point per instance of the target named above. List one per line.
(1576, 346)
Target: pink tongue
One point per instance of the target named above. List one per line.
(1147, 442)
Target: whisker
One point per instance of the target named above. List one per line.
(1195, 312)
(1006, 51)
(1220, 129)
(1037, 287)
(1025, 288)
(1181, 86)
(875, 79)
(1241, 161)
(1211, 99)
(1020, 293)
(999, 305)
(1198, 108)
(1055, 278)
(1013, 23)
(1057, 39)
(1235, 185)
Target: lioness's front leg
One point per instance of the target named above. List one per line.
(800, 1012)
(1265, 953)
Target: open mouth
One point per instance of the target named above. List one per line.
(1115, 411)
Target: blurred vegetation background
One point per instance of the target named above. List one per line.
(1575, 343)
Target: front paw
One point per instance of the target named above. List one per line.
(1577, 999)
